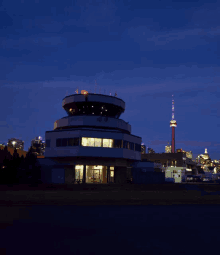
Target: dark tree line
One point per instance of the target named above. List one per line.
(18, 170)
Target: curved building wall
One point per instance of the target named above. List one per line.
(96, 121)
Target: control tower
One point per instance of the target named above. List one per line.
(95, 144)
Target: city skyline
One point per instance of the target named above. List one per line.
(132, 49)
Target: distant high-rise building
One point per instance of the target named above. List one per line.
(16, 143)
(150, 150)
(143, 148)
(168, 148)
(38, 146)
(189, 154)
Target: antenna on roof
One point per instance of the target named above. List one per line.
(95, 86)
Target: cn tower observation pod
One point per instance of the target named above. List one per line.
(92, 142)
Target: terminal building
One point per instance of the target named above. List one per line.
(92, 144)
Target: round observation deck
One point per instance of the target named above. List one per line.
(173, 123)
(93, 104)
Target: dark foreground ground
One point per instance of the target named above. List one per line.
(114, 194)
(110, 219)
(176, 229)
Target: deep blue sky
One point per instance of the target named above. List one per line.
(144, 50)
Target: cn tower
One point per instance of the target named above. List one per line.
(173, 124)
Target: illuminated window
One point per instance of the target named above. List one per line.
(98, 142)
(84, 141)
(108, 143)
(111, 173)
(112, 168)
(87, 141)
(79, 172)
(91, 142)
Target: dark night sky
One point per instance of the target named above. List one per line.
(144, 50)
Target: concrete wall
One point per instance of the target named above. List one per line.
(97, 121)
(58, 175)
(69, 174)
(120, 175)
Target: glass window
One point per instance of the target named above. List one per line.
(98, 142)
(125, 144)
(131, 146)
(58, 142)
(76, 141)
(79, 172)
(84, 141)
(112, 168)
(111, 173)
(108, 143)
(91, 142)
(73, 141)
(64, 142)
(47, 143)
(137, 147)
(117, 143)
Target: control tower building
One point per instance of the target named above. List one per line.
(92, 144)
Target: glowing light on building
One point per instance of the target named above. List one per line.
(84, 92)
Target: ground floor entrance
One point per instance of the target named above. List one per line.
(94, 173)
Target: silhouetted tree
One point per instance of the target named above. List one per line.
(32, 168)
(5, 173)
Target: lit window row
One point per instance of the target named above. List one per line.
(96, 142)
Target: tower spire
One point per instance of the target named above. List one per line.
(173, 124)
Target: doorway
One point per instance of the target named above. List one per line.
(94, 174)
(96, 177)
